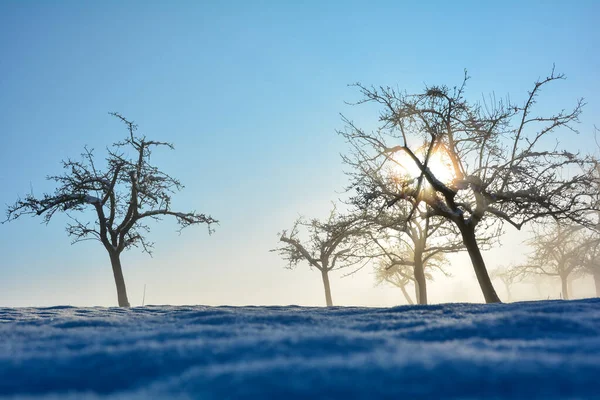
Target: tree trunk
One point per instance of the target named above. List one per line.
(324, 274)
(406, 295)
(485, 283)
(508, 293)
(119, 280)
(420, 281)
(570, 287)
(597, 282)
(565, 287)
(417, 291)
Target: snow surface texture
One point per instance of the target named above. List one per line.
(545, 350)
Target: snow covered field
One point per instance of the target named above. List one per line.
(544, 350)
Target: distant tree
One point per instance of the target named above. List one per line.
(476, 165)
(128, 193)
(508, 276)
(589, 257)
(409, 247)
(555, 252)
(396, 274)
(328, 245)
(397, 266)
(590, 254)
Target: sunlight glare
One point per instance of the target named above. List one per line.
(439, 164)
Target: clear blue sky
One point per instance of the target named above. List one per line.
(250, 94)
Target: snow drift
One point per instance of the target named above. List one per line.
(546, 350)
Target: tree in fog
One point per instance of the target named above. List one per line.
(556, 250)
(477, 165)
(589, 257)
(408, 247)
(124, 195)
(590, 254)
(397, 274)
(508, 276)
(396, 266)
(327, 245)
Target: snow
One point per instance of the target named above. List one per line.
(155, 178)
(545, 350)
(91, 199)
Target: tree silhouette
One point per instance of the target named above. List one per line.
(408, 247)
(398, 267)
(556, 252)
(328, 245)
(499, 164)
(589, 257)
(130, 192)
(590, 254)
(396, 274)
(508, 276)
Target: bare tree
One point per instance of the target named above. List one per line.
(396, 274)
(126, 195)
(590, 254)
(476, 165)
(508, 276)
(410, 246)
(589, 257)
(328, 245)
(397, 266)
(556, 253)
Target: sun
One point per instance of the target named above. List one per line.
(441, 166)
(439, 163)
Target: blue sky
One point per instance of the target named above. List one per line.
(250, 94)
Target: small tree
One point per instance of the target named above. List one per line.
(589, 257)
(473, 164)
(398, 266)
(556, 253)
(508, 276)
(590, 254)
(396, 273)
(130, 192)
(327, 245)
(410, 246)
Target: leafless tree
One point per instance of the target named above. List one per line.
(397, 266)
(589, 257)
(556, 251)
(409, 246)
(396, 274)
(499, 164)
(124, 196)
(590, 254)
(508, 276)
(328, 245)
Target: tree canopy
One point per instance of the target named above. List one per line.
(124, 195)
(475, 164)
